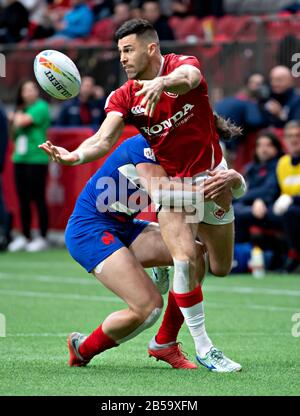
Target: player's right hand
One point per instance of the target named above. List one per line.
(59, 154)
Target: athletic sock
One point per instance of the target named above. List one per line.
(171, 324)
(192, 308)
(95, 343)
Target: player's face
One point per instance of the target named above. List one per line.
(134, 56)
(265, 150)
(292, 140)
(30, 92)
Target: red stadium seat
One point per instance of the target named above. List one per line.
(278, 28)
(104, 30)
(186, 26)
(233, 28)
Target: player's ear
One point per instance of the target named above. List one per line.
(152, 48)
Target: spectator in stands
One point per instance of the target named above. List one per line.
(29, 125)
(102, 9)
(13, 22)
(4, 215)
(244, 109)
(151, 11)
(84, 110)
(106, 28)
(287, 206)
(77, 23)
(182, 8)
(254, 6)
(255, 207)
(284, 102)
(209, 8)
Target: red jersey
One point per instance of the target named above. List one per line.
(182, 130)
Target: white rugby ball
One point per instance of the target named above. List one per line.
(57, 74)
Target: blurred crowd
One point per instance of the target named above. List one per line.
(30, 20)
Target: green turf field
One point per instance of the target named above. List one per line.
(45, 296)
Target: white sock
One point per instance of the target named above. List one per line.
(195, 320)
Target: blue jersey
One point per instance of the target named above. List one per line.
(103, 218)
(115, 189)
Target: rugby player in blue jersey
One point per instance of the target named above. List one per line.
(105, 238)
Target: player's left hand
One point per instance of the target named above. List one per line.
(151, 90)
(220, 181)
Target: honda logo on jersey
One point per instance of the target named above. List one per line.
(149, 154)
(138, 110)
(170, 122)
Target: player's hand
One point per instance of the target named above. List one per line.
(259, 209)
(220, 181)
(151, 90)
(274, 107)
(59, 154)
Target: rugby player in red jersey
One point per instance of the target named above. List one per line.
(166, 98)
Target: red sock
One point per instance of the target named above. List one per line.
(171, 324)
(95, 343)
(186, 300)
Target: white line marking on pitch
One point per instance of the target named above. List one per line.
(74, 296)
(88, 281)
(52, 295)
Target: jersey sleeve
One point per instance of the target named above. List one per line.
(141, 151)
(180, 60)
(118, 102)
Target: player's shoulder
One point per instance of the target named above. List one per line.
(123, 92)
(177, 59)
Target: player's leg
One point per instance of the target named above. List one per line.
(138, 292)
(219, 241)
(38, 177)
(22, 184)
(150, 249)
(188, 270)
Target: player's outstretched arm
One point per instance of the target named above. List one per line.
(93, 148)
(180, 81)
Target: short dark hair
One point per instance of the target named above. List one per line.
(139, 27)
(274, 139)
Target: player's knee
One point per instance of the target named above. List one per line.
(144, 310)
(220, 270)
(148, 316)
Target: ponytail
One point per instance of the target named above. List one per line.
(226, 129)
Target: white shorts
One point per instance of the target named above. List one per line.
(213, 214)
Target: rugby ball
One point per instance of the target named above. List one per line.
(57, 74)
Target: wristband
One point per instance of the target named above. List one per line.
(241, 190)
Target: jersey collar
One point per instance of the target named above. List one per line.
(161, 67)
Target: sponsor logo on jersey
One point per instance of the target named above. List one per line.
(138, 110)
(219, 213)
(149, 154)
(107, 238)
(170, 122)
